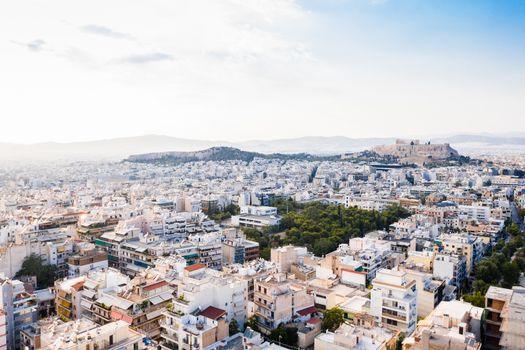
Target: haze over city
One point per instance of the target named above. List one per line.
(262, 175)
(243, 70)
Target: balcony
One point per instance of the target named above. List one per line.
(170, 338)
(394, 316)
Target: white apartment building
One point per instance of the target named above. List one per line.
(394, 300)
(20, 308)
(369, 203)
(474, 212)
(82, 334)
(450, 267)
(258, 210)
(3, 330)
(200, 287)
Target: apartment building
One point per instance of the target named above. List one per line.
(68, 297)
(284, 257)
(200, 287)
(19, 308)
(471, 247)
(495, 301)
(141, 307)
(352, 337)
(513, 322)
(3, 330)
(187, 332)
(99, 282)
(82, 334)
(238, 252)
(87, 260)
(452, 325)
(255, 221)
(430, 292)
(450, 267)
(394, 300)
(279, 300)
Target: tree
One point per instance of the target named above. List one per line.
(33, 266)
(510, 273)
(285, 335)
(252, 323)
(476, 299)
(513, 229)
(332, 319)
(234, 327)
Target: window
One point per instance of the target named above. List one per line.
(111, 339)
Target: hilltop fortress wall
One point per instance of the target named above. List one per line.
(413, 148)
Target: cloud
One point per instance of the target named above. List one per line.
(146, 58)
(33, 45)
(105, 31)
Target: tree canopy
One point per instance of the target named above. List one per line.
(332, 319)
(322, 227)
(284, 335)
(504, 265)
(33, 266)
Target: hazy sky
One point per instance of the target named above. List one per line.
(250, 69)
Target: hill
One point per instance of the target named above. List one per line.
(218, 154)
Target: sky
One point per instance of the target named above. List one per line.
(259, 69)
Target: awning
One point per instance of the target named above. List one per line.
(156, 300)
(85, 304)
(154, 314)
(89, 284)
(88, 293)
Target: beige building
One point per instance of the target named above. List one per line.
(279, 300)
(82, 334)
(453, 325)
(284, 257)
(68, 298)
(351, 337)
(430, 292)
(504, 322)
(186, 332)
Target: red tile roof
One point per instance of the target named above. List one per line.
(212, 313)
(153, 286)
(78, 285)
(314, 320)
(307, 311)
(194, 267)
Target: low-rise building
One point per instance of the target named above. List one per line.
(82, 334)
(452, 325)
(352, 337)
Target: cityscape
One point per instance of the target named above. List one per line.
(262, 175)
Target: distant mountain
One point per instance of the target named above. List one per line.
(216, 154)
(484, 139)
(120, 148)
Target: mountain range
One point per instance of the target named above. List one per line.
(120, 148)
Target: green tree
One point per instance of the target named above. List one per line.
(332, 319)
(476, 299)
(252, 323)
(233, 327)
(285, 335)
(488, 272)
(510, 273)
(513, 229)
(33, 266)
